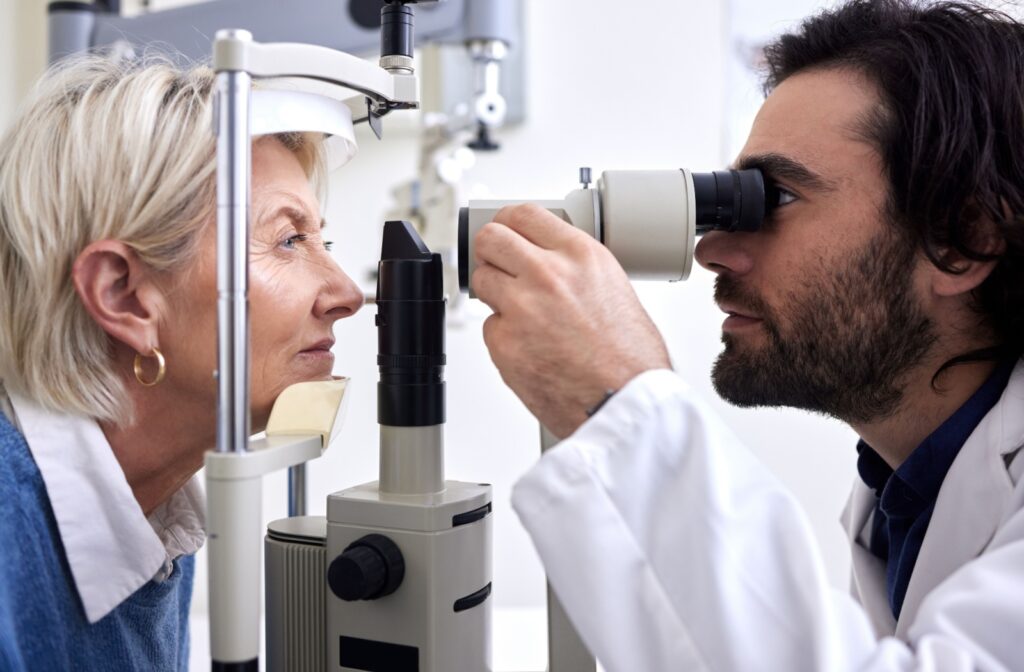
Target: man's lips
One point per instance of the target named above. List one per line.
(733, 310)
(738, 317)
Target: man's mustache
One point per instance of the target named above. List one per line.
(728, 290)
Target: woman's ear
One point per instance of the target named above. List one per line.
(970, 273)
(117, 290)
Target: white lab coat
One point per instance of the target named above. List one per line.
(672, 548)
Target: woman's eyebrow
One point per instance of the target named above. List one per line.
(779, 166)
(297, 215)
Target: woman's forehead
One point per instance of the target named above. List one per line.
(279, 181)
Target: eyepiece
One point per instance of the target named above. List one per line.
(729, 200)
(410, 330)
(396, 30)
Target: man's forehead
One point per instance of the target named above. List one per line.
(817, 119)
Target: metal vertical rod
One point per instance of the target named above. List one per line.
(297, 490)
(234, 511)
(234, 167)
(566, 651)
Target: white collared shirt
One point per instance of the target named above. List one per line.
(112, 548)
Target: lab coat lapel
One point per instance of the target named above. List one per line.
(868, 571)
(973, 499)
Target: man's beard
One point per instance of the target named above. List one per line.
(852, 335)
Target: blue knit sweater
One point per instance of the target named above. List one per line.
(42, 621)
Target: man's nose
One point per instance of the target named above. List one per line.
(722, 252)
(340, 297)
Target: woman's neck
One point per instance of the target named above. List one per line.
(165, 444)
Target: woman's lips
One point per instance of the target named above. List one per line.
(317, 354)
(319, 351)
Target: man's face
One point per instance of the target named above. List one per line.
(825, 303)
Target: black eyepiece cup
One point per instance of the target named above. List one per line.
(729, 200)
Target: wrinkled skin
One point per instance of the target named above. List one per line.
(296, 293)
(296, 290)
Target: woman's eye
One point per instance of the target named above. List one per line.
(328, 244)
(290, 242)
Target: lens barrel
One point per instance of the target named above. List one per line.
(396, 30)
(729, 200)
(649, 219)
(410, 330)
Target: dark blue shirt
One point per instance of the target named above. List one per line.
(42, 620)
(907, 496)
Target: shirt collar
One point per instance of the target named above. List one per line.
(111, 546)
(916, 483)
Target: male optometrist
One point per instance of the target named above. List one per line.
(886, 290)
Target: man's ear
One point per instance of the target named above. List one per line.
(970, 273)
(117, 290)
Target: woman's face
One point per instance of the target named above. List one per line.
(296, 292)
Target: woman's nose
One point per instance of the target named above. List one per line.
(340, 296)
(722, 252)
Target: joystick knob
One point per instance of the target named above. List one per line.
(369, 568)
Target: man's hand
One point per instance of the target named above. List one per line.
(567, 325)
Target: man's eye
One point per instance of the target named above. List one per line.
(785, 196)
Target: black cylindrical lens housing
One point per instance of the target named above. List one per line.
(464, 249)
(396, 30)
(729, 200)
(410, 331)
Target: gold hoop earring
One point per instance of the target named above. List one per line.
(161, 364)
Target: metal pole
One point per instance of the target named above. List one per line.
(234, 167)
(297, 490)
(234, 504)
(566, 651)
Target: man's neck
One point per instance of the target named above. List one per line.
(924, 407)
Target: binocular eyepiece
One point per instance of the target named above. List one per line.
(649, 219)
(729, 200)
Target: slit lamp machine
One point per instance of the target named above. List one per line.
(397, 576)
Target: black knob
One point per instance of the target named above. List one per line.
(369, 568)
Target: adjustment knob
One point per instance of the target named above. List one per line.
(369, 568)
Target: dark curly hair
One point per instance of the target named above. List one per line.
(950, 130)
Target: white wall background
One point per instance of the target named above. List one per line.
(611, 85)
(610, 88)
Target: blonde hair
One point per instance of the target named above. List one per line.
(101, 150)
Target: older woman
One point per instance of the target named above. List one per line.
(108, 349)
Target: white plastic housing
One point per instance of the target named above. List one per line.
(647, 218)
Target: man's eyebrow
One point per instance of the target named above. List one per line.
(781, 167)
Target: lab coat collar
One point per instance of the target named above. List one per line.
(974, 498)
(111, 547)
(868, 580)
